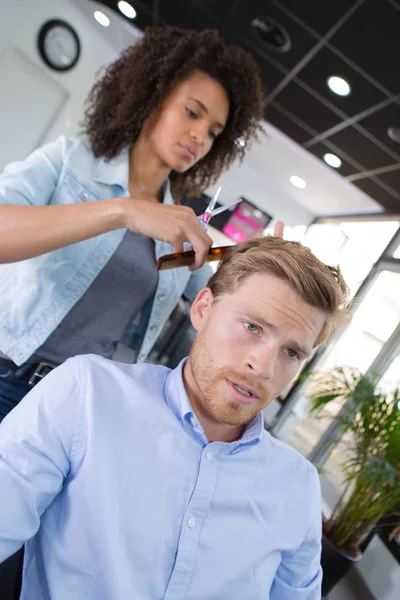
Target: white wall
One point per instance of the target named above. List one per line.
(20, 21)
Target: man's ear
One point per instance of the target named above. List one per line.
(201, 308)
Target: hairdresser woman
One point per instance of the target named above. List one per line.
(83, 221)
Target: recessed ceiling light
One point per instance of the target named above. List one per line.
(332, 160)
(101, 18)
(339, 86)
(127, 9)
(298, 182)
(394, 134)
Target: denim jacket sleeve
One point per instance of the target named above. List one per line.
(33, 181)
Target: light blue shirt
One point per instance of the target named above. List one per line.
(36, 294)
(106, 472)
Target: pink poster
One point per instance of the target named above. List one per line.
(246, 222)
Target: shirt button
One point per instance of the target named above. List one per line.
(209, 455)
(192, 522)
(153, 328)
(161, 297)
(193, 421)
(84, 196)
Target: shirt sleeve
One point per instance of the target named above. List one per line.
(299, 575)
(198, 280)
(40, 440)
(32, 182)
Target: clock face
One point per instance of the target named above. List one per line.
(59, 45)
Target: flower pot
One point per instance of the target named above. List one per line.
(335, 564)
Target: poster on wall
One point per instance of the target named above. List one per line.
(241, 222)
(245, 222)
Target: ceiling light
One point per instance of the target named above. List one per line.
(394, 133)
(101, 18)
(298, 182)
(339, 86)
(127, 9)
(332, 160)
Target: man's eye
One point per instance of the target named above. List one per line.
(191, 114)
(292, 353)
(252, 328)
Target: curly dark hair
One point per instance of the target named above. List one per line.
(139, 80)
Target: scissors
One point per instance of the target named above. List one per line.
(211, 211)
(185, 259)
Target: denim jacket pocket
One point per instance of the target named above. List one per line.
(72, 191)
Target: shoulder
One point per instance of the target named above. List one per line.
(101, 374)
(78, 153)
(294, 466)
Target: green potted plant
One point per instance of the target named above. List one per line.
(371, 426)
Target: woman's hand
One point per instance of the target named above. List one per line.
(168, 223)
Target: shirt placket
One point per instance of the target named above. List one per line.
(191, 526)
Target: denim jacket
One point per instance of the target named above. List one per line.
(36, 294)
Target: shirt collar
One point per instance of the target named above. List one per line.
(178, 401)
(116, 172)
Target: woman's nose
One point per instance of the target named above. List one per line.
(199, 133)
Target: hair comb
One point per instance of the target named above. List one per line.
(185, 259)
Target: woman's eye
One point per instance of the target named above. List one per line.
(252, 328)
(292, 353)
(212, 135)
(191, 114)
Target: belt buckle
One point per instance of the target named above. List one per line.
(42, 369)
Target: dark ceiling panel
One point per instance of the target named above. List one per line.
(364, 50)
(371, 38)
(326, 63)
(392, 179)
(361, 149)
(301, 40)
(181, 12)
(320, 15)
(380, 195)
(270, 75)
(346, 168)
(302, 104)
(219, 9)
(285, 123)
(379, 122)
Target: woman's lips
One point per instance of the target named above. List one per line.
(188, 152)
(242, 398)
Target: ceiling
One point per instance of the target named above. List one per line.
(355, 39)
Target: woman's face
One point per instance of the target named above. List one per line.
(185, 126)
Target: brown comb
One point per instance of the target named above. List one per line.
(185, 259)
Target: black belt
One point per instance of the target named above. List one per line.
(32, 372)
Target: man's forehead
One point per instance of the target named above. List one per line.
(272, 300)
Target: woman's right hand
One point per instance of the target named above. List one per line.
(174, 224)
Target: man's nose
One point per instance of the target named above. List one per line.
(262, 361)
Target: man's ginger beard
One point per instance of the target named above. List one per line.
(214, 390)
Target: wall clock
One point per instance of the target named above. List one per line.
(59, 45)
